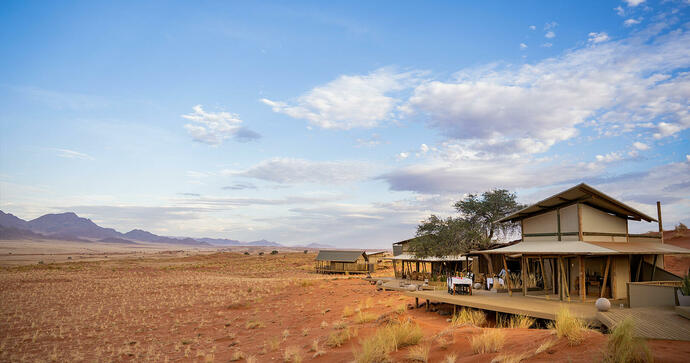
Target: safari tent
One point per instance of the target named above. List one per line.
(577, 243)
(343, 261)
(408, 266)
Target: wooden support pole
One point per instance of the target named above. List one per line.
(583, 285)
(661, 225)
(639, 269)
(507, 276)
(543, 276)
(565, 287)
(524, 275)
(602, 293)
(579, 221)
(654, 268)
(427, 305)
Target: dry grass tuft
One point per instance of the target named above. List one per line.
(254, 324)
(545, 346)
(419, 353)
(401, 308)
(377, 347)
(469, 317)
(237, 355)
(623, 347)
(348, 311)
(510, 358)
(340, 337)
(450, 358)
(489, 341)
(566, 325)
(516, 322)
(364, 317)
(292, 355)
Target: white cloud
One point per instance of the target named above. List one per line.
(598, 37)
(295, 171)
(424, 148)
(403, 155)
(532, 27)
(620, 84)
(640, 146)
(619, 10)
(523, 46)
(633, 3)
(550, 25)
(350, 101)
(214, 128)
(610, 157)
(547, 45)
(631, 22)
(550, 34)
(71, 154)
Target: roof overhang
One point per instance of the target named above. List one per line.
(411, 257)
(581, 193)
(587, 248)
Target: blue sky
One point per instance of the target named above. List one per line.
(339, 122)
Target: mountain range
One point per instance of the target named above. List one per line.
(70, 227)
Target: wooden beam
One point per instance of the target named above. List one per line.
(639, 268)
(602, 293)
(583, 285)
(579, 221)
(654, 267)
(524, 275)
(507, 277)
(565, 286)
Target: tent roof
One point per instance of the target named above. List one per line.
(340, 255)
(411, 257)
(580, 193)
(587, 248)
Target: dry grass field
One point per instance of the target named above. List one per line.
(232, 307)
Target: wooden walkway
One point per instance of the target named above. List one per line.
(651, 323)
(516, 304)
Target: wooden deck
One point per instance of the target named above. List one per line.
(651, 323)
(517, 304)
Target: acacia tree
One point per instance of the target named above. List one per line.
(474, 229)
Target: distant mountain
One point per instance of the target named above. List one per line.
(319, 245)
(69, 224)
(18, 233)
(145, 236)
(220, 241)
(10, 220)
(117, 240)
(262, 242)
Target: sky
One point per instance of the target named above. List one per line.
(344, 123)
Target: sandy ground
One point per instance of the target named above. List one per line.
(221, 306)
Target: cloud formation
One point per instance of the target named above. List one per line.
(350, 101)
(71, 154)
(295, 171)
(213, 128)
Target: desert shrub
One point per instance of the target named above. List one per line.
(685, 285)
(306, 251)
(273, 344)
(450, 358)
(489, 341)
(261, 253)
(469, 317)
(339, 324)
(292, 355)
(401, 308)
(347, 311)
(623, 347)
(237, 355)
(566, 325)
(364, 317)
(246, 253)
(419, 353)
(339, 337)
(251, 359)
(391, 337)
(274, 252)
(510, 358)
(515, 322)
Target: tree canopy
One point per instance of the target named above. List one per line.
(475, 228)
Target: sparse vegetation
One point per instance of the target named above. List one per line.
(489, 341)
(623, 347)
(364, 317)
(292, 355)
(419, 353)
(389, 338)
(339, 337)
(545, 346)
(516, 322)
(568, 326)
(254, 324)
(468, 316)
(348, 311)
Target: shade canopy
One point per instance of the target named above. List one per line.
(340, 255)
(581, 193)
(411, 257)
